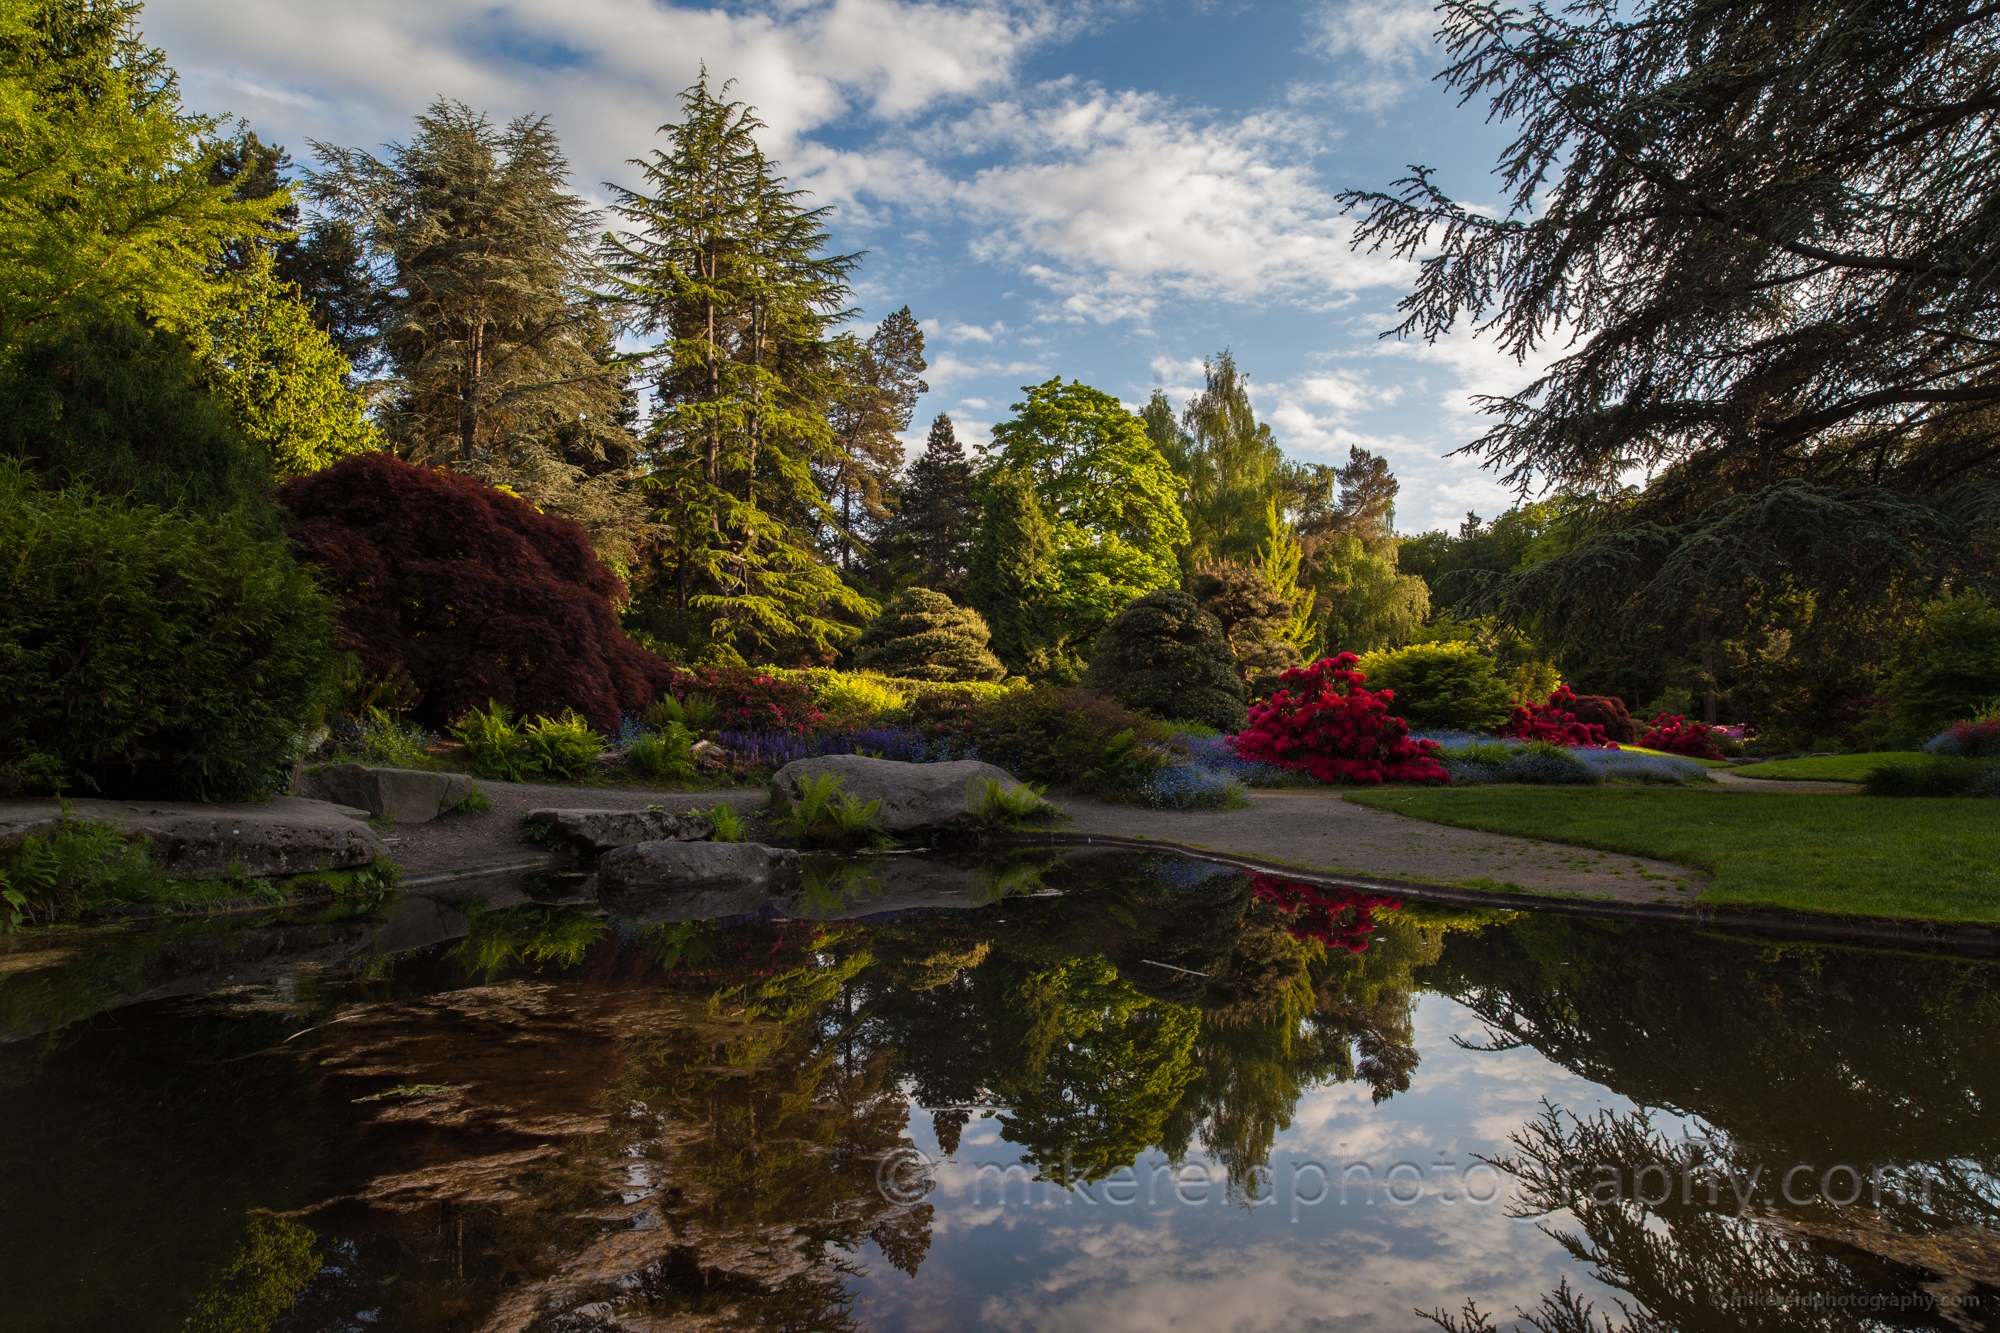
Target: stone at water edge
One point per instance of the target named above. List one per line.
(913, 796)
(286, 835)
(695, 865)
(399, 795)
(601, 830)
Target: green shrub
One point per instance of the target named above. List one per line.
(1939, 775)
(826, 816)
(1950, 668)
(495, 746)
(79, 866)
(1442, 686)
(564, 746)
(1075, 739)
(386, 742)
(1166, 655)
(148, 652)
(476, 802)
(923, 635)
(848, 698)
(666, 753)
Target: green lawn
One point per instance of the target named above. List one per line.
(1920, 858)
(1828, 767)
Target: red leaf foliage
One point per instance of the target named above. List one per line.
(1554, 723)
(1324, 723)
(1337, 918)
(472, 591)
(752, 700)
(1675, 735)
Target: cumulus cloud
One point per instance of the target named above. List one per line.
(607, 71)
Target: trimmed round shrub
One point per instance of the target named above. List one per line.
(1449, 686)
(1166, 655)
(472, 592)
(152, 653)
(1327, 724)
(923, 635)
(1070, 738)
(1609, 712)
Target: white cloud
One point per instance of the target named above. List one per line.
(607, 71)
(1380, 49)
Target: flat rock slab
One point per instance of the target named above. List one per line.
(1317, 830)
(286, 835)
(399, 795)
(914, 796)
(682, 866)
(602, 830)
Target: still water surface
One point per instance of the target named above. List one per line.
(1093, 1093)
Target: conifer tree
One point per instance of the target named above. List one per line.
(1012, 579)
(729, 269)
(490, 324)
(930, 538)
(922, 635)
(876, 386)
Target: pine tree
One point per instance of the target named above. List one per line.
(929, 540)
(490, 324)
(876, 390)
(725, 264)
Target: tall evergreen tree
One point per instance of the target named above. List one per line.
(725, 264)
(1232, 469)
(929, 540)
(876, 386)
(490, 324)
(1013, 581)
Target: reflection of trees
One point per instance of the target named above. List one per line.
(1685, 1262)
(1795, 1053)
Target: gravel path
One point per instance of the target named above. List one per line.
(1317, 830)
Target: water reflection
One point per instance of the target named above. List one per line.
(522, 1109)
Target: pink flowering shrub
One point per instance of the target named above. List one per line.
(1554, 723)
(1337, 918)
(1324, 723)
(752, 700)
(1676, 735)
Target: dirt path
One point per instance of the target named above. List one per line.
(1317, 830)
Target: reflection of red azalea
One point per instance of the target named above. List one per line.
(1337, 918)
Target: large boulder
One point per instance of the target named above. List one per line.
(914, 796)
(399, 795)
(602, 830)
(286, 835)
(683, 866)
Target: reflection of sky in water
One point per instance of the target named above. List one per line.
(1063, 1265)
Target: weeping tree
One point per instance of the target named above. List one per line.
(493, 335)
(1763, 235)
(728, 269)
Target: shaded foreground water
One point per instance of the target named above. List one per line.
(1089, 1092)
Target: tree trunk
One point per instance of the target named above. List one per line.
(1707, 670)
(468, 398)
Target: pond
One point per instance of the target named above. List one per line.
(1052, 1091)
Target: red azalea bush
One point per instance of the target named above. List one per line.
(1337, 918)
(1555, 723)
(1675, 735)
(1972, 740)
(752, 699)
(472, 592)
(1324, 723)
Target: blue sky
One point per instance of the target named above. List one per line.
(1108, 191)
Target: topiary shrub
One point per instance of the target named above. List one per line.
(1609, 712)
(1326, 724)
(148, 652)
(472, 592)
(1164, 654)
(1448, 686)
(923, 635)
